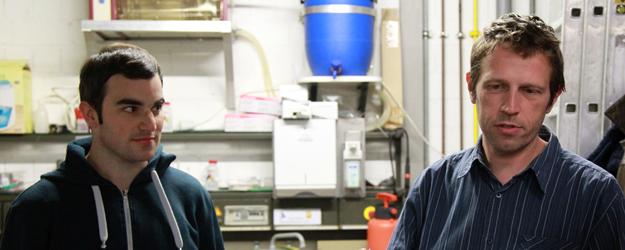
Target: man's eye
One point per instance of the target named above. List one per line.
(157, 108)
(531, 91)
(130, 109)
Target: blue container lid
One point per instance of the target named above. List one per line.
(364, 3)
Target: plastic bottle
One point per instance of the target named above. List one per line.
(40, 119)
(212, 176)
(256, 245)
(168, 124)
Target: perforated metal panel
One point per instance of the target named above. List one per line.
(572, 43)
(593, 48)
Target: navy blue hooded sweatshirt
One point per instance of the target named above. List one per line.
(60, 211)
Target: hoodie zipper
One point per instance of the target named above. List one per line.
(128, 221)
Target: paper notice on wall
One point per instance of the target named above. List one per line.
(288, 217)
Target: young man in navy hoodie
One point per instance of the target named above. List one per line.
(115, 190)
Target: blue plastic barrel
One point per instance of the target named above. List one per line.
(339, 36)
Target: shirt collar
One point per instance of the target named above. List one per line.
(540, 166)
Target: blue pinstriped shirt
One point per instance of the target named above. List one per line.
(561, 201)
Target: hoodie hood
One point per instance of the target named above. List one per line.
(76, 169)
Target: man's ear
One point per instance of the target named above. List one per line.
(90, 114)
(471, 94)
(555, 99)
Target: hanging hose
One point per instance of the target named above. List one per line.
(263, 59)
(386, 110)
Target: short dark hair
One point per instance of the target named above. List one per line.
(128, 60)
(527, 35)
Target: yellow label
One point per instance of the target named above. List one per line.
(366, 212)
(217, 211)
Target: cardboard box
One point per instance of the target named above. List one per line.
(391, 64)
(15, 97)
(260, 105)
(249, 123)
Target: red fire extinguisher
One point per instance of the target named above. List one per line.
(382, 223)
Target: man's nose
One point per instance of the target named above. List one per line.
(149, 122)
(511, 104)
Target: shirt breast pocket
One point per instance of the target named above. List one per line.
(535, 242)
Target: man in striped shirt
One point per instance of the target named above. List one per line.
(517, 188)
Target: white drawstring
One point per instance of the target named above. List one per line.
(164, 202)
(104, 235)
(167, 207)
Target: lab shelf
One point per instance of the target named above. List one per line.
(340, 80)
(166, 137)
(157, 29)
(169, 29)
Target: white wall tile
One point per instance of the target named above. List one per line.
(2, 16)
(39, 32)
(5, 32)
(74, 35)
(21, 53)
(74, 10)
(46, 60)
(18, 10)
(47, 9)
(71, 60)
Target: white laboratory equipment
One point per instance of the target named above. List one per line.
(305, 158)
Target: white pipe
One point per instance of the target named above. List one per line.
(503, 7)
(426, 93)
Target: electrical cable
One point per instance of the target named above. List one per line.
(399, 133)
(407, 167)
(390, 154)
